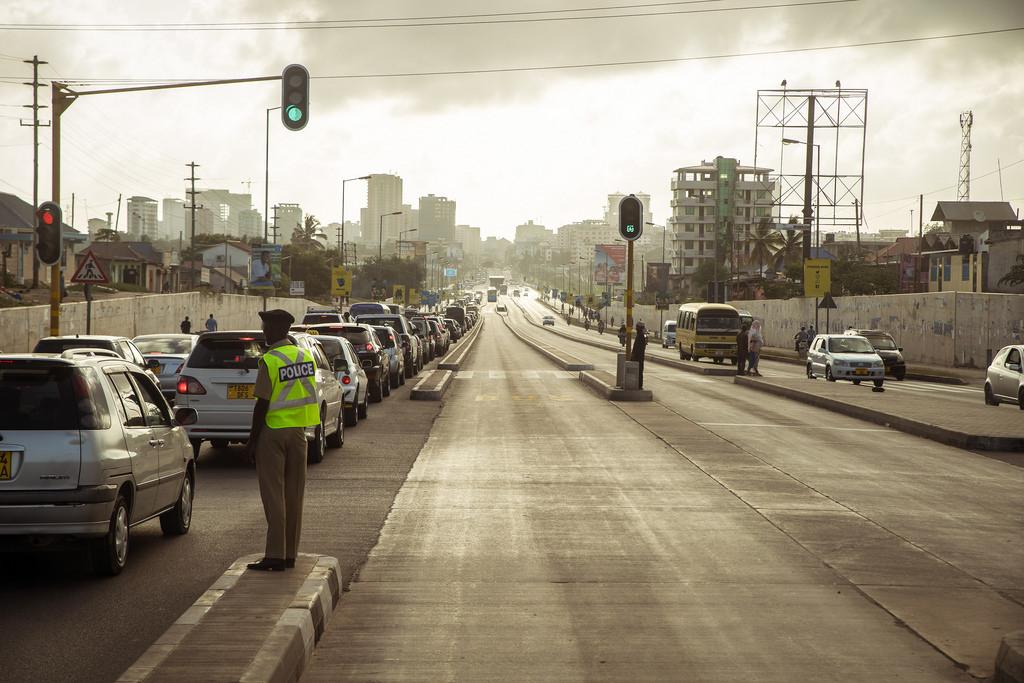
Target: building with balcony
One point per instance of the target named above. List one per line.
(718, 198)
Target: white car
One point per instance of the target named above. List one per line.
(668, 335)
(219, 380)
(843, 356)
(548, 320)
(501, 308)
(1004, 380)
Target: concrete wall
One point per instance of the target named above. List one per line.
(20, 328)
(948, 329)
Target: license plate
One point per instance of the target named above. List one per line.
(241, 391)
(860, 371)
(6, 463)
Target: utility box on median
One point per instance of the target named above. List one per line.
(620, 368)
(631, 376)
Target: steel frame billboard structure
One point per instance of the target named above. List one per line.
(826, 182)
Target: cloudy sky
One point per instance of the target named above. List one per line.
(547, 145)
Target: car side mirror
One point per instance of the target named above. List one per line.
(186, 416)
(340, 365)
(900, 349)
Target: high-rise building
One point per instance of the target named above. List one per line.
(722, 198)
(577, 240)
(142, 219)
(470, 238)
(172, 218)
(250, 223)
(97, 224)
(436, 219)
(289, 217)
(227, 208)
(383, 196)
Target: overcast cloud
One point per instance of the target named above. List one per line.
(546, 145)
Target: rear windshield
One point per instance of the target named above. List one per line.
(393, 323)
(356, 335)
(62, 345)
(222, 353)
(717, 322)
(386, 336)
(317, 318)
(178, 345)
(40, 397)
(883, 342)
(363, 309)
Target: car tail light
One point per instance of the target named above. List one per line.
(190, 385)
(369, 347)
(345, 379)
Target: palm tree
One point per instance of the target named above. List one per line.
(791, 246)
(764, 243)
(305, 233)
(107, 235)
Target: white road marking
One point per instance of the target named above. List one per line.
(834, 429)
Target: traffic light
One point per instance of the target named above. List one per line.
(48, 233)
(631, 218)
(295, 97)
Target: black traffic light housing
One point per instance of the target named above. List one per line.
(49, 219)
(631, 218)
(295, 97)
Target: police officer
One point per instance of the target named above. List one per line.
(285, 405)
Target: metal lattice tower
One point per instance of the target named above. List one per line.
(963, 193)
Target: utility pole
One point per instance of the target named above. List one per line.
(117, 221)
(274, 228)
(192, 200)
(35, 107)
(856, 223)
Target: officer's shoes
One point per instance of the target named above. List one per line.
(267, 564)
(289, 562)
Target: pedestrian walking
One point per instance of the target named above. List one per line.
(811, 334)
(755, 341)
(286, 405)
(742, 342)
(186, 326)
(211, 323)
(639, 348)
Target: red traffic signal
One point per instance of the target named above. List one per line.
(48, 233)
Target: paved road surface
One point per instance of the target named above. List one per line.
(544, 534)
(60, 623)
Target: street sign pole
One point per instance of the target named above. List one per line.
(629, 297)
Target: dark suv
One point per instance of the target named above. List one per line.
(412, 347)
(122, 346)
(371, 353)
(885, 346)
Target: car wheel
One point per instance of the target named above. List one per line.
(401, 377)
(219, 443)
(395, 381)
(693, 354)
(315, 448)
(879, 383)
(337, 439)
(719, 361)
(177, 520)
(364, 408)
(828, 374)
(410, 370)
(197, 444)
(990, 398)
(810, 373)
(1020, 399)
(387, 386)
(376, 392)
(351, 416)
(900, 375)
(110, 553)
(856, 382)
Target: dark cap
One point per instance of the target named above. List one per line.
(277, 315)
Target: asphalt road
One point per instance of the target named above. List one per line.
(546, 534)
(59, 622)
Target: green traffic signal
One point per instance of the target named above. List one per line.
(295, 97)
(631, 217)
(294, 113)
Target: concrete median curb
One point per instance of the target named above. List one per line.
(433, 386)
(1010, 659)
(282, 655)
(457, 356)
(603, 383)
(707, 370)
(926, 430)
(564, 361)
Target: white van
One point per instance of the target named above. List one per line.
(668, 334)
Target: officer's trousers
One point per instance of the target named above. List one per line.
(281, 468)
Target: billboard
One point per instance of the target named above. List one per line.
(656, 277)
(341, 282)
(817, 276)
(450, 272)
(265, 266)
(609, 264)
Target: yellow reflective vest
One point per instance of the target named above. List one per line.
(293, 400)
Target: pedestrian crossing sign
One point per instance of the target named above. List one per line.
(89, 271)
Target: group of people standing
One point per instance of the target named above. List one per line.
(186, 325)
(749, 343)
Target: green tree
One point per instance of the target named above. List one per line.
(304, 234)
(791, 247)
(851, 277)
(1016, 274)
(764, 243)
(107, 235)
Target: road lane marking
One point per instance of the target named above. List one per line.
(801, 426)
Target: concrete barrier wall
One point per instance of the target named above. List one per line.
(21, 328)
(949, 329)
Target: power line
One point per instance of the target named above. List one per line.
(555, 67)
(416, 24)
(943, 189)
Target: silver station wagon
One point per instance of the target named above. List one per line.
(88, 449)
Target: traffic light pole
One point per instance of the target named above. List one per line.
(63, 97)
(629, 298)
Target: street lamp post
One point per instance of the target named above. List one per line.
(662, 289)
(266, 178)
(341, 237)
(380, 238)
(401, 241)
(817, 203)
